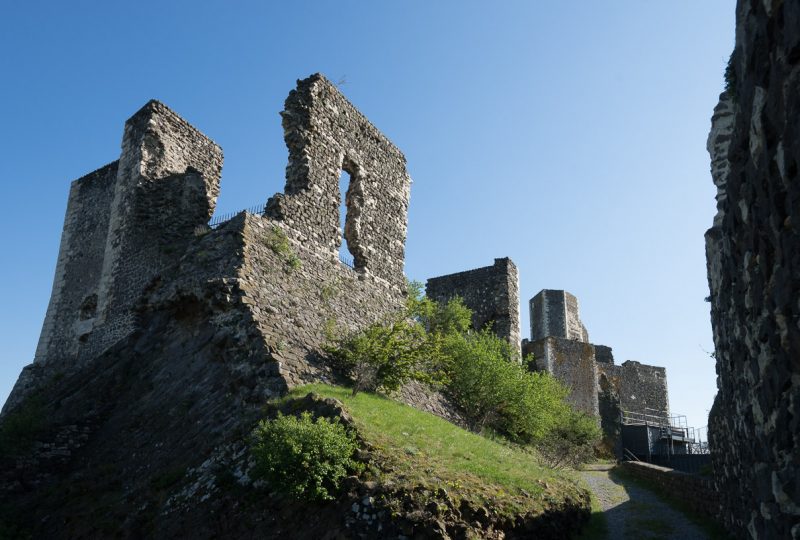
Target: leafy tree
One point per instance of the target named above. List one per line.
(384, 356)
(497, 392)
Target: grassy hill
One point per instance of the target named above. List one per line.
(428, 470)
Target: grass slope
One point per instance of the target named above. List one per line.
(415, 448)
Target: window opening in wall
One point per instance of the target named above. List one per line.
(344, 186)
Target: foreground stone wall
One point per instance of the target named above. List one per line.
(695, 491)
(572, 363)
(556, 313)
(753, 254)
(325, 135)
(491, 292)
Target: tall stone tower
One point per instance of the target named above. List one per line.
(554, 313)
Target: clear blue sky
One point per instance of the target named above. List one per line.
(569, 136)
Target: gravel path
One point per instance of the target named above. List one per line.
(634, 513)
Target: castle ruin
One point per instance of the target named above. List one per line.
(137, 229)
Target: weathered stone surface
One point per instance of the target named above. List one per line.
(326, 135)
(753, 254)
(125, 224)
(555, 313)
(491, 292)
(571, 362)
(641, 388)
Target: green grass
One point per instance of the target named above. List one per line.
(417, 448)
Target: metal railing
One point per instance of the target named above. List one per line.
(671, 427)
(218, 220)
(346, 260)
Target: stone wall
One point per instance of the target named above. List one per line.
(73, 301)
(641, 388)
(753, 255)
(167, 185)
(556, 313)
(125, 224)
(491, 292)
(572, 363)
(694, 491)
(190, 329)
(325, 135)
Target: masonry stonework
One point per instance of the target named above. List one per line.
(491, 292)
(131, 223)
(555, 313)
(559, 345)
(326, 135)
(571, 362)
(753, 256)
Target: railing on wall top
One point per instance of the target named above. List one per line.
(259, 210)
(216, 221)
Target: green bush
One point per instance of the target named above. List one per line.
(571, 442)
(384, 356)
(433, 342)
(303, 457)
(499, 393)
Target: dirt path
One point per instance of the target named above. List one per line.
(634, 513)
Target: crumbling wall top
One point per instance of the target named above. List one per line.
(326, 136)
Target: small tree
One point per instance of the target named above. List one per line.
(499, 393)
(302, 456)
(382, 356)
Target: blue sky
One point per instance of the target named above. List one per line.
(569, 136)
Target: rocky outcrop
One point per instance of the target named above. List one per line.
(753, 253)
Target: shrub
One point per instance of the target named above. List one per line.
(384, 356)
(497, 392)
(571, 441)
(302, 456)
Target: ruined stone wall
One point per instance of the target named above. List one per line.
(753, 254)
(571, 362)
(491, 292)
(301, 298)
(167, 185)
(325, 135)
(641, 388)
(603, 354)
(73, 301)
(556, 313)
(125, 224)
